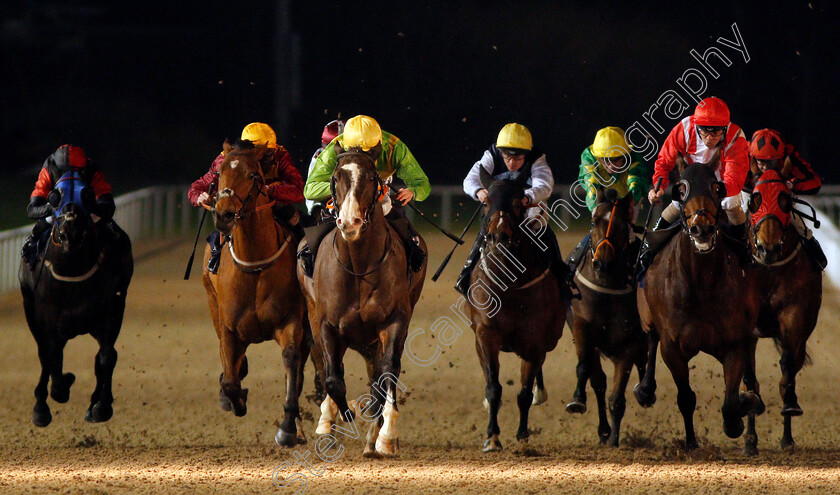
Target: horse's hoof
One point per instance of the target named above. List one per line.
(492, 444)
(788, 445)
(689, 446)
(733, 428)
(41, 418)
(792, 410)
(613, 441)
(324, 427)
(750, 450)
(388, 447)
(370, 452)
(99, 412)
(224, 402)
(751, 404)
(285, 439)
(576, 407)
(240, 409)
(644, 398)
(540, 396)
(61, 392)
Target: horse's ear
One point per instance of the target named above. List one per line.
(611, 195)
(719, 189)
(339, 149)
(680, 191)
(785, 202)
(524, 175)
(484, 177)
(600, 195)
(755, 202)
(260, 151)
(681, 164)
(787, 169)
(754, 168)
(226, 147)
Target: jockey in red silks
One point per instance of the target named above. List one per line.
(697, 138)
(769, 151)
(97, 197)
(285, 185)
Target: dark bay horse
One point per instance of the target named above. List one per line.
(514, 300)
(361, 297)
(79, 287)
(791, 293)
(255, 296)
(697, 299)
(605, 320)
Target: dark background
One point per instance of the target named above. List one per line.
(152, 91)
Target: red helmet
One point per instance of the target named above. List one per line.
(331, 131)
(711, 112)
(69, 156)
(767, 144)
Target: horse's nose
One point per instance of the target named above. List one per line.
(598, 265)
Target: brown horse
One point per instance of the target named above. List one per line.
(361, 297)
(255, 296)
(605, 319)
(514, 300)
(697, 299)
(791, 293)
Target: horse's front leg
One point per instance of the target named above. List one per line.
(290, 340)
(527, 374)
(101, 400)
(61, 382)
(392, 339)
(734, 363)
(584, 366)
(751, 384)
(793, 358)
(487, 346)
(233, 396)
(686, 398)
(334, 348)
(645, 390)
(41, 415)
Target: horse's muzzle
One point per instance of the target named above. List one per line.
(768, 254)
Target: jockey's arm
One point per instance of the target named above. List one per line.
(637, 177)
(736, 164)
(472, 182)
(674, 145)
(805, 180)
(288, 188)
(542, 181)
(317, 185)
(202, 185)
(410, 172)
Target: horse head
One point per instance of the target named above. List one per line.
(505, 211)
(610, 230)
(241, 182)
(699, 194)
(770, 207)
(71, 227)
(356, 191)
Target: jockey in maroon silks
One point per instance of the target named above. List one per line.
(285, 185)
(769, 151)
(97, 197)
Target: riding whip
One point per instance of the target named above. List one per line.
(644, 234)
(435, 225)
(197, 235)
(449, 256)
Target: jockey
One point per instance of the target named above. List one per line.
(512, 152)
(768, 151)
(44, 198)
(697, 138)
(285, 185)
(330, 132)
(604, 165)
(392, 158)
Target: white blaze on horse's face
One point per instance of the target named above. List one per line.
(234, 164)
(350, 214)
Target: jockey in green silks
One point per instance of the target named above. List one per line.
(610, 163)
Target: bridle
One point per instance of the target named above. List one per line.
(606, 239)
(257, 186)
(381, 188)
(704, 212)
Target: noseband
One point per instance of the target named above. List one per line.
(258, 186)
(592, 247)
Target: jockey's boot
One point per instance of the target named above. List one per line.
(463, 282)
(577, 253)
(215, 252)
(646, 254)
(741, 246)
(815, 252)
(416, 255)
(314, 235)
(29, 251)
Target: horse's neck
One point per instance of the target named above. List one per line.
(366, 251)
(613, 279)
(257, 236)
(523, 252)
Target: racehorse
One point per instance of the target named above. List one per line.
(361, 297)
(78, 287)
(791, 290)
(605, 319)
(697, 299)
(255, 296)
(514, 300)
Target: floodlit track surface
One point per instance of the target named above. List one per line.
(168, 433)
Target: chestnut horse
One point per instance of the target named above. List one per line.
(791, 293)
(514, 300)
(78, 287)
(697, 299)
(255, 296)
(605, 319)
(361, 297)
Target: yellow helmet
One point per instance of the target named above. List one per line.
(514, 136)
(610, 143)
(363, 131)
(259, 133)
